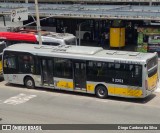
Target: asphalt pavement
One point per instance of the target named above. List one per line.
(19, 105)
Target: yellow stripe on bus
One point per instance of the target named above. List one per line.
(65, 84)
(0, 66)
(90, 87)
(124, 91)
(152, 81)
(110, 89)
(128, 92)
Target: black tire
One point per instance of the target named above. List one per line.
(101, 92)
(29, 83)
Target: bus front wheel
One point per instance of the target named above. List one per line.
(29, 83)
(101, 92)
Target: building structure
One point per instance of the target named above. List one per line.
(95, 18)
(134, 2)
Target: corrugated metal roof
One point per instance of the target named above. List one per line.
(127, 12)
(91, 1)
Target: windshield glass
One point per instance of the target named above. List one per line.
(71, 41)
(152, 66)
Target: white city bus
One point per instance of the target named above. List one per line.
(83, 69)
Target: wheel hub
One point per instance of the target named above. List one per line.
(29, 83)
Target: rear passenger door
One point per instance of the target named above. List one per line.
(47, 72)
(79, 75)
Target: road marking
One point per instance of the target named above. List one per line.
(19, 99)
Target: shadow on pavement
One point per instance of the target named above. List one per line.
(133, 100)
(1, 79)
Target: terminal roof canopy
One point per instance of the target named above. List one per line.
(126, 12)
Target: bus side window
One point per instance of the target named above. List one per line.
(26, 63)
(99, 69)
(92, 70)
(63, 67)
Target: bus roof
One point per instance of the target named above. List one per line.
(31, 36)
(18, 36)
(48, 34)
(82, 52)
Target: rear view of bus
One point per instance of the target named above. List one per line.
(152, 75)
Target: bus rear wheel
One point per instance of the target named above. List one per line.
(101, 92)
(29, 83)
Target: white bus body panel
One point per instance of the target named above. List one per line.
(19, 78)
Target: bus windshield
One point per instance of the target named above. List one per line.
(152, 67)
(71, 41)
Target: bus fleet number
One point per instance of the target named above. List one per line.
(117, 80)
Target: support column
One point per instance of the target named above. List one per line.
(38, 23)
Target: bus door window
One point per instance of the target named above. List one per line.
(47, 71)
(80, 75)
(50, 71)
(44, 71)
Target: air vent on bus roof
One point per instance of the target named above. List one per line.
(60, 46)
(111, 52)
(58, 50)
(68, 46)
(84, 50)
(121, 53)
(134, 53)
(37, 47)
(43, 47)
